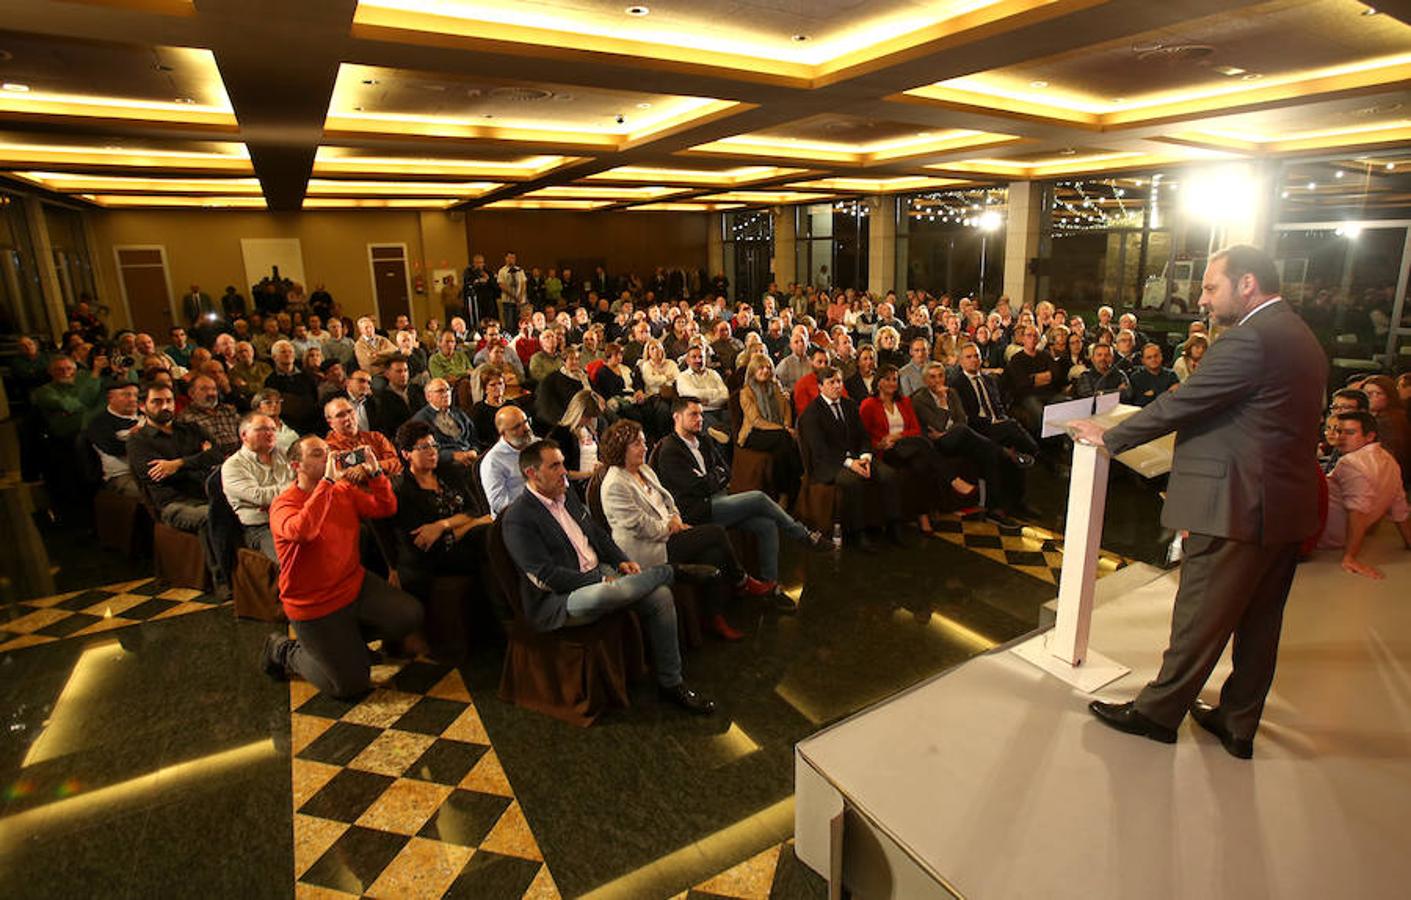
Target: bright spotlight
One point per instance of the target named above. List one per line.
(989, 220)
(1220, 196)
(1350, 231)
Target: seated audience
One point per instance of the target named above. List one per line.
(482, 412)
(895, 435)
(299, 388)
(797, 363)
(448, 362)
(1393, 431)
(1031, 379)
(577, 434)
(984, 405)
(248, 374)
(253, 476)
(555, 390)
(270, 402)
(1151, 379)
(806, 388)
(943, 420)
(1363, 487)
(574, 573)
(338, 346)
(450, 425)
(398, 401)
(500, 473)
(548, 359)
(170, 461)
(834, 443)
(766, 425)
(344, 436)
(706, 386)
(912, 376)
(436, 512)
(219, 420)
(698, 477)
(108, 432)
(332, 602)
(67, 400)
(658, 372)
(1104, 377)
(647, 526)
(1191, 354)
(859, 384)
(372, 350)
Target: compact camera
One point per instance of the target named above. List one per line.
(351, 458)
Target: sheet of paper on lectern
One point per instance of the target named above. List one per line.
(1148, 460)
(1058, 415)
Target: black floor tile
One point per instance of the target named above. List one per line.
(1025, 558)
(446, 761)
(340, 743)
(68, 625)
(430, 715)
(85, 599)
(795, 881)
(347, 795)
(149, 609)
(151, 588)
(418, 677)
(326, 707)
(490, 876)
(465, 818)
(355, 860)
(983, 541)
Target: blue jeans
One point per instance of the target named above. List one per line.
(754, 512)
(649, 594)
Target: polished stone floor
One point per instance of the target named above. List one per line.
(145, 755)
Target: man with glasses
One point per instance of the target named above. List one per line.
(345, 436)
(499, 470)
(253, 476)
(452, 428)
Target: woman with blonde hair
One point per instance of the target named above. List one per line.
(767, 424)
(577, 434)
(657, 370)
(889, 352)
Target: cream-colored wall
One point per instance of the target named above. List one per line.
(203, 247)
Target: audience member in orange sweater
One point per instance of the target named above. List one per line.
(343, 435)
(896, 436)
(329, 597)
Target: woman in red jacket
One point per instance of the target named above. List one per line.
(896, 436)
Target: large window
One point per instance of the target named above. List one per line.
(1122, 241)
(72, 261)
(749, 247)
(952, 242)
(22, 309)
(831, 243)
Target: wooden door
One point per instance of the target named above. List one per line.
(143, 273)
(389, 278)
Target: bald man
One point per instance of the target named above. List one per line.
(499, 470)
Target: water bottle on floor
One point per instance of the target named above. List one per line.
(837, 536)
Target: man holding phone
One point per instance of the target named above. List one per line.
(330, 599)
(344, 436)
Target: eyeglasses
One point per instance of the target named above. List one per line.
(424, 445)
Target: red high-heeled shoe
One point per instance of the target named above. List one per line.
(723, 630)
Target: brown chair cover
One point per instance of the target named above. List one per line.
(689, 603)
(751, 470)
(255, 587)
(446, 624)
(573, 674)
(180, 559)
(122, 524)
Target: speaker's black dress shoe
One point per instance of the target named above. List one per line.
(695, 573)
(1209, 718)
(687, 699)
(1124, 717)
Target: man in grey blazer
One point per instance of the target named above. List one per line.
(1244, 484)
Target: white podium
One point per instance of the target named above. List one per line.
(1063, 650)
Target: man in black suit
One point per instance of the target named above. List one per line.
(835, 450)
(573, 572)
(984, 407)
(1243, 485)
(398, 401)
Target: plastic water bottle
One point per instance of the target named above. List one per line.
(837, 536)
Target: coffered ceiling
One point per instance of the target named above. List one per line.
(593, 104)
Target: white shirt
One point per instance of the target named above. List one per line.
(1274, 299)
(706, 386)
(1366, 481)
(251, 485)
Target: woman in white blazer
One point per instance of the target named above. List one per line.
(647, 526)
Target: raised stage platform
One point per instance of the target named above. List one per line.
(993, 780)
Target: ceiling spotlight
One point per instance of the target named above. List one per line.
(644, 106)
(1285, 195)
(799, 38)
(1338, 174)
(15, 87)
(1313, 185)
(161, 67)
(1119, 100)
(637, 10)
(489, 116)
(357, 109)
(1391, 166)
(369, 81)
(1369, 11)
(1038, 84)
(1251, 76)
(185, 100)
(1230, 70)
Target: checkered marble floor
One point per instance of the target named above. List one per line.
(81, 613)
(401, 795)
(1035, 551)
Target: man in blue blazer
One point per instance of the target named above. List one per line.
(573, 572)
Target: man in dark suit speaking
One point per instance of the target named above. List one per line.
(1244, 486)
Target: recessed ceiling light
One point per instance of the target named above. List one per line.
(1251, 76)
(1067, 151)
(1230, 70)
(185, 100)
(357, 109)
(1338, 174)
(799, 38)
(1313, 185)
(161, 67)
(644, 106)
(1369, 11)
(1285, 195)
(1391, 166)
(489, 115)
(15, 87)
(637, 10)
(1119, 99)
(1038, 84)
(369, 81)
